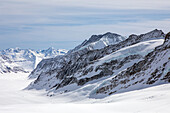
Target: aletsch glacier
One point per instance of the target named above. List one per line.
(107, 64)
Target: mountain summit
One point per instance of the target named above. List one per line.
(99, 41)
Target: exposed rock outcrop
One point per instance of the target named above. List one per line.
(153, 70)
(86, 66)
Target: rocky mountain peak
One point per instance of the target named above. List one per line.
(95, 38)
(99, 41)
(152, 34)
(155, 34)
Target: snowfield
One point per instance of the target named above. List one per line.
(14, 99)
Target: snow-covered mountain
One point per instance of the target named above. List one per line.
(99, 41)
(24, 60)
(89, 70)
(153, 70)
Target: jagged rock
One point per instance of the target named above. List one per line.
(83, 66)
(153, 70)
(99, 41)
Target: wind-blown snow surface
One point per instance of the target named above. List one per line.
(24, 60)
(14, 99)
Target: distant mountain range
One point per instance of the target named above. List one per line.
(107, 64)
(25, 60)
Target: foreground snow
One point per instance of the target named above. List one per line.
(13, 99)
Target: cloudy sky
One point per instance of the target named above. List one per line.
(40, 24)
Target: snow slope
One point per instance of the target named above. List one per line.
(153, 70)
(24, 60)
(16, 100)
(140, 49)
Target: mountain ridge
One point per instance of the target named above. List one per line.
(99, 41)
(153, 70)
(78, 69)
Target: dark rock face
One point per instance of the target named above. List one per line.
(153, 70)
(83, 66)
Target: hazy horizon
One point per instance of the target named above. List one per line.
(40, 24)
